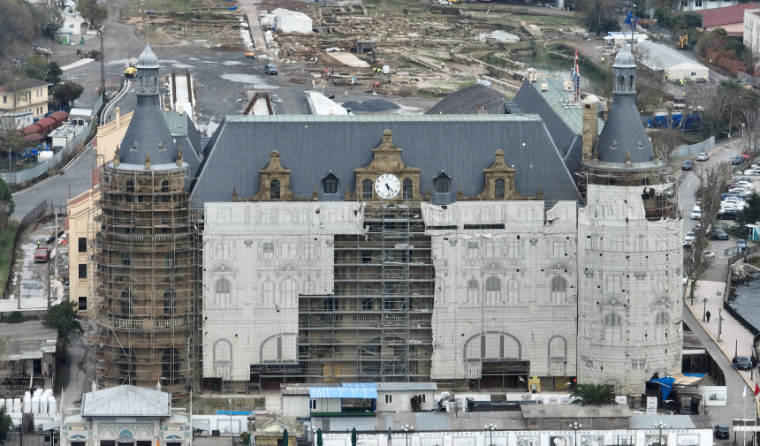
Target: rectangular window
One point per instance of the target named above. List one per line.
(82, 244)
(513, 250)
(366, 256)
(5, 99)
(310, 251)
(388, 399)
(493, 250)
(422, 398)
(313, 404)
(83, 271)
(472, 250)
(268, 250)
(125, 259)
(558, 249)
(613, 284)
(367, 304)
(289, 251)
(82, 303)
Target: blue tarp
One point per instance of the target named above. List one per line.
(666, 384)
(347, 390)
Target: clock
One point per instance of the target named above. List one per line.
(387, 186)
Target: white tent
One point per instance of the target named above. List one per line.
(673, 62)
(291, 21)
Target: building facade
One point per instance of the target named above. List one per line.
(29, 95)
(751, 36)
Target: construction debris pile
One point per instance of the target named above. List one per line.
(214, 27)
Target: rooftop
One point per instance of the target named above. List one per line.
(575, 411)
(127, 401)
(659, 57)
(672, 421)
(26, 84)
(725, 15)
(28, 340)
(390, 387)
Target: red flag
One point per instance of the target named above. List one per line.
(757, 389)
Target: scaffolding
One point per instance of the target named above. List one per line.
(145, 280)
(376, 325)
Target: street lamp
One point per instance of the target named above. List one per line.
(704, 309)
(575, 427)
(660, 425)
(407, 429)
(720, 320)
(490, 428)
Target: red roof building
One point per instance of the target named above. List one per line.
(730, 18)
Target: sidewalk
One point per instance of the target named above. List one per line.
(734, 338)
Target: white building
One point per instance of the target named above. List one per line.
(128, 416)
(751, 37)
(17, 120)
(291, 21)
(697, 5)
(397, 397)
(672, 62)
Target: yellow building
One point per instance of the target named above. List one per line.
(82, 209)
(30, 95)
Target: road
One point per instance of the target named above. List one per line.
(717, 272)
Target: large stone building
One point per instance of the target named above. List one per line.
(398, 248)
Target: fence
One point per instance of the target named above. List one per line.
(41, 209)
(746, 78)
(41, 168)
(693, 149)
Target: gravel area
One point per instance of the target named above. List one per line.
(370, 105)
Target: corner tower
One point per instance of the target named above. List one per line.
(146, 256)
(629, 288)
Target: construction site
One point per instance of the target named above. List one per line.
(145, 281)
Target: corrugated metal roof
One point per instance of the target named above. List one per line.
(347, 390)
(575, 411)
(672, 421)
(126, 401)
(391, 387)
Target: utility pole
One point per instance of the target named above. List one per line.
(55, 269)
(102, 65)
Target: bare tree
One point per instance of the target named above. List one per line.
(712, 181)
(665, 142)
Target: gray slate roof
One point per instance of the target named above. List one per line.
(126, 401)
(565, 124)
(312, 146)
(185, 135)
(391, 387)
(625, 129)
(575, 411)
(673, 421)
(467, 101)
(148, 129)
(147, 59)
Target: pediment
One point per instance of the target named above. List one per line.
(224, 267)
(493, 266)
(288, 266)
(613, 302)
(387, 158)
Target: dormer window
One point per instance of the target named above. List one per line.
(499, 188)
(331, 184)
(161, 147)
(133, 148)
(274, 190)
(442, 183)
(367, 189)
(408, 188)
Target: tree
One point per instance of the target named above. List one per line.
(18, 27)
(64, 317)
(665, 17)
(66, 93)
(6, 197)
(650, 85)
(598, 16)
(665, 142)
(54, 73)
(593, 394)
(49, 19)
(92, 12)
(35, 67)
(712, 181)
(5, 424)
(751, 211)
(11, 140)
(14, 318)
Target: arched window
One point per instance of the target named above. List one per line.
(559, 290)
(274, 190)
(493, 291)
(557, 348)
(170, 303)
(492, 346)
(222, 293)
(442, 183)
(621, 82)
(268, 293)
(170, 366)
(130, 189)
(613, 325)
(289, 293)
(331, 184)
(499, 188)
(661, 326)
(222, 359)
(408, 188)
(630, 83)
(367, 189)
(472, 291)
(165, 186)
(126, 302)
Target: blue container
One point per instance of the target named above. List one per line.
(233, 8)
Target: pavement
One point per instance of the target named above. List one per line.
(734, 338)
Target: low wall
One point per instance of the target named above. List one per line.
(693, 149)
(41, 168)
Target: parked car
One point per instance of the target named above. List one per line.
(752, 171)
(685, 279)
(717, 234)
(270, 69)
(727, 215)
(743, 183)
(688, 241)
(742, 363)
(41, 255)
(736, 160)
(722, 432)
(708, 255)
(728, 207)
(741, 244)
(724, 196)
(696, 214)
(697, 227)
(739, 192)
(688, 165)
(702, 156)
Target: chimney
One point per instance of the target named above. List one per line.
(118, 116)
(158, 390)
(590, 125)
(94, 390)
(181, 109)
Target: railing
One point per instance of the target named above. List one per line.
(124, 323)
(165, 323)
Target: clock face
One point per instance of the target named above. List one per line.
(387, 186)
